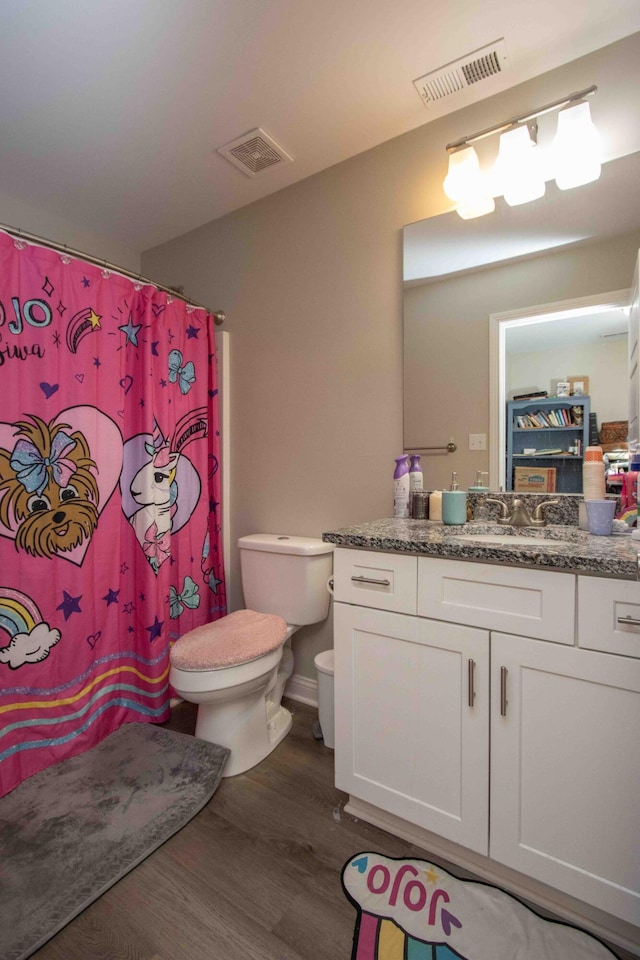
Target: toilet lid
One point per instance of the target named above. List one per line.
(237, 638)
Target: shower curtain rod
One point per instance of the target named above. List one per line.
(219, 316)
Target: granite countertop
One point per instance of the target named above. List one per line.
(565, 548)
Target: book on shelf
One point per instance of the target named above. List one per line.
(539, 419)
(547, 452)
(533, 395)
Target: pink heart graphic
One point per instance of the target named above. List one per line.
(126, 383)
(93, 638)
(105, 444)
(80, 377)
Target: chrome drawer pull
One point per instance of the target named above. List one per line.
(503, 691)
(380, 583)
(471, 664)
(629, 620)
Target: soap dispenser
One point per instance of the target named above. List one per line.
(482, 482)
(454, 503)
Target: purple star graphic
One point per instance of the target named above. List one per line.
(129, 607)
(85, 282)
(111, 596)
(192, 332)
(97, 362)
(130, 630)
(123, 568)
(163, 383)
(70, 605)
(155, 629)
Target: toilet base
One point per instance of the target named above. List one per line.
(243, 727)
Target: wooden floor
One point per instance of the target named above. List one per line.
(254, 876)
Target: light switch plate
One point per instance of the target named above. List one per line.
(477, 441)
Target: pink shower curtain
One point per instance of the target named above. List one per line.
(110, 539)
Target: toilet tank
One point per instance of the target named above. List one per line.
(286, 575)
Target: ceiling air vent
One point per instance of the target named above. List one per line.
(254, 153)
(457, 76)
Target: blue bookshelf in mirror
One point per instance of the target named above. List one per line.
(557, 429)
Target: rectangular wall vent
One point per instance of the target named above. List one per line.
(460, 74)
(254, 152)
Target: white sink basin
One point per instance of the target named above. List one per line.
(510, 539)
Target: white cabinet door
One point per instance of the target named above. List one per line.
(411, 736)
(565, 774)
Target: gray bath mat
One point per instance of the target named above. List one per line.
(69, 833)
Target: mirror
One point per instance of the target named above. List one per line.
(567, 246)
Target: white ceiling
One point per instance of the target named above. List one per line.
(602, 328)
(111, 111)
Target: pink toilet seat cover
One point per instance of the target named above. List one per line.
(238, 638)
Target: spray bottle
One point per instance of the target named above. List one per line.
(401, 487)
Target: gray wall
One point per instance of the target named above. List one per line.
(310, 279)
(14, 212)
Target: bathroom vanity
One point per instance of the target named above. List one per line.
(487, 705)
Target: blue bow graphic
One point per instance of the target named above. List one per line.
(184, 375)
(31, 467)
(188, 598)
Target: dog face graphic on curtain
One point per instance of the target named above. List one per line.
(51, 495)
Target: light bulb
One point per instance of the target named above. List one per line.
(464, 171)
(466, 185)
(517, 169)
(577, 148)
(468, 210)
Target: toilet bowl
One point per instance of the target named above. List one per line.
(236, 668)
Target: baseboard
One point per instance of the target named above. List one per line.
(302, 689)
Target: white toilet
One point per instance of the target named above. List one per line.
(236, 668)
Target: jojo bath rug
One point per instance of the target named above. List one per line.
(414, 910)
(71, 831)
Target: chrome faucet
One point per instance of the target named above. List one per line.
(519, 516)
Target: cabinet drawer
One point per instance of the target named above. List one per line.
(531, 603)
(609, 615)
(382, 580)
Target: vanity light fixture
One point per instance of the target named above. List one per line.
(518, 175)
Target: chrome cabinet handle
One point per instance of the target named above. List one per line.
(503, 691)
(631, 621)
(471, 666)
(381, 583)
